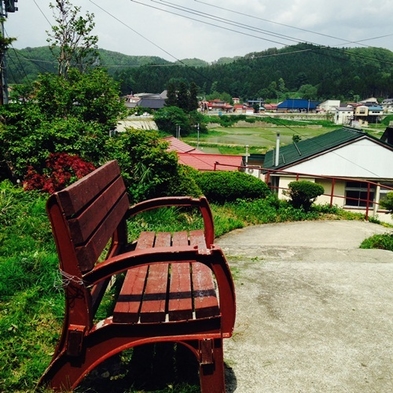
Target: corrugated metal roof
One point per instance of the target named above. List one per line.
(180, 146)
(308, 148)
(297, 103)
(210, 162)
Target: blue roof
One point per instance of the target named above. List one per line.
(298, 103)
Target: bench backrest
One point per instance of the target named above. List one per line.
(85, 215)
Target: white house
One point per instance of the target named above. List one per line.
(354, 168)
(343, 115)
(329, 106)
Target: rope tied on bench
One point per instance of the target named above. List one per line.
(67, 279)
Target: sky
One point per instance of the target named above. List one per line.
(212, 29)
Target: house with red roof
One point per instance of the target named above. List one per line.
(197, 159)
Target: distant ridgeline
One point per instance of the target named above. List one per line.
(340, 73)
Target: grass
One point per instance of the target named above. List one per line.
(31, 297)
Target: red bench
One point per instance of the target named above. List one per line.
(177, 286)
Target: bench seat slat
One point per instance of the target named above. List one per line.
(204, 292)
(180, 295)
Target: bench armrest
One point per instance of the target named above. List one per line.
(201, 203)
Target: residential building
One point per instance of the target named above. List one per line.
(328, 106)
(387, 105)
(353, 167)
(146, 100)
(297, 105)
(343, 115)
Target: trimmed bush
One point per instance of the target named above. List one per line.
(303, 193)
(223, 187)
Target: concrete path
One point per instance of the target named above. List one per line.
(314, 312)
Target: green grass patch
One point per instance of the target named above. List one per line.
(383, 242)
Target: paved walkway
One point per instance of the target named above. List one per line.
(315, 312)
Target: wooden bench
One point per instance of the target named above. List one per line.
(177, 286)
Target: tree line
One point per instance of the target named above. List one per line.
(302, 70)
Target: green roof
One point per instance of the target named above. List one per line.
(307, 148)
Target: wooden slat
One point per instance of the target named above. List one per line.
(83, 226)
(130, 298)
(88, 254)
(180, 295)
(80, 193)
(129, 301)
(204, 292)
(155, 297)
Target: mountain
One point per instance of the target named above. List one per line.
(307, 70)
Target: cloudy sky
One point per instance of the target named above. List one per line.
(209, 30)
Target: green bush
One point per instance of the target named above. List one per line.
(383, 242)
(303, 193)
(387, 203)
(223, 187)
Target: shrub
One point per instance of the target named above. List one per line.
(61, 170)
(387, 203)
(303, 193)
(223, 187)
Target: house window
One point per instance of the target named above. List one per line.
(356, 194)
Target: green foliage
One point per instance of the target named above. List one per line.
(170, 118)
(148, 168)
(72, 115)
(387, 203)
(383, 242)
(223, 187)
(303, 193)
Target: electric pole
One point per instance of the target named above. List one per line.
(6, 6)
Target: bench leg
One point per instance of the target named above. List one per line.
(212, 377)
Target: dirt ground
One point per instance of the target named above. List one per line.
(314, 312)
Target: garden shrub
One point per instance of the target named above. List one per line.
(223, 187)
(61, 170)
(303, 193)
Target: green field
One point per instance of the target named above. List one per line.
(259, 136)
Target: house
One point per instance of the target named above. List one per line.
(387, 105)
(328, 106)
(368, 113)
(353, 167)
(297, 105)
(146, 100)
(343, 115)
(270, 107)
(197, 159)
(210, 162)
(219, 105)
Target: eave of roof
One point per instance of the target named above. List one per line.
(210, 162)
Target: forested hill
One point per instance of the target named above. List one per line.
(304, 70)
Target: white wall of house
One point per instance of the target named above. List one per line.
(329, 105)
(363, 158)
(343, 116)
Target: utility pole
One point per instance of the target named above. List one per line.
(6, 6)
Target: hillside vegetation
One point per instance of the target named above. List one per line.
(317, 72)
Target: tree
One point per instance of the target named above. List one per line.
(171, 99)
(193, 97)
(73, 115)
(71, 40)
(303, 193)
(182, 97)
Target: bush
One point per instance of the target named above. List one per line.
(303, 193)
(61, 170)
(223, 187)
(387, 203)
